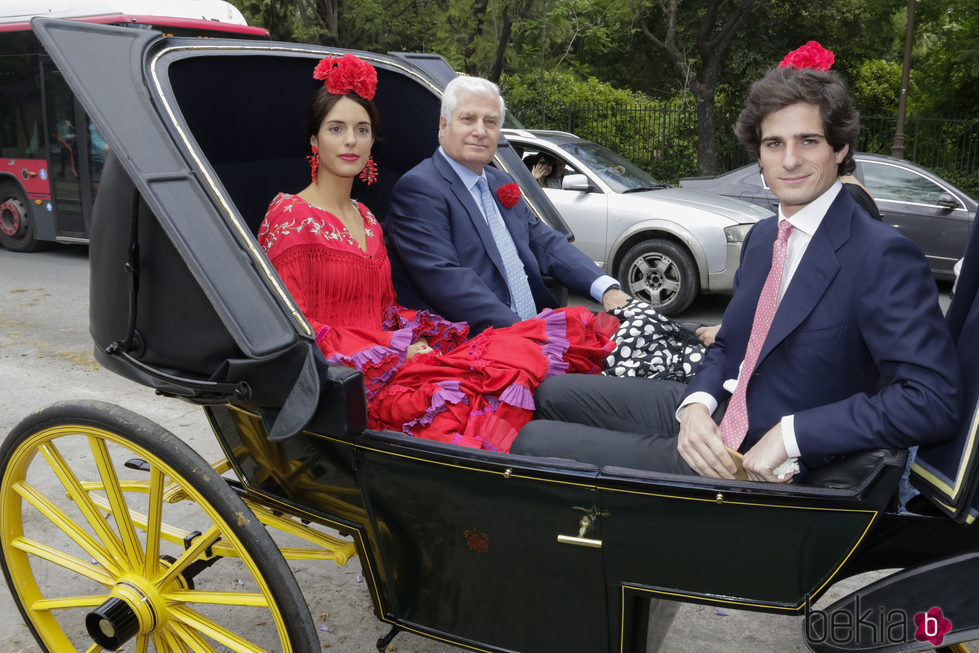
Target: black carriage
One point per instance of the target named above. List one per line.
(203, 134)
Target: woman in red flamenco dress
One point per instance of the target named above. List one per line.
(422, 377)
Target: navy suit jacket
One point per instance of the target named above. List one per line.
(858, 350)
(445, 258)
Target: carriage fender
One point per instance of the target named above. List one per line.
(899, 612)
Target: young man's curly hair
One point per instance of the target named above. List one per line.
(782, 87)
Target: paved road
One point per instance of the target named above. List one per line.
(45, 356)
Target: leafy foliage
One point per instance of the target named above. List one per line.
(658, 135)
(662, 54)
(877, 86)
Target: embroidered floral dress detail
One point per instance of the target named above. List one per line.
(324, 225)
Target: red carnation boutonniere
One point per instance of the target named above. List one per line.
(509, 195)
(811, 55)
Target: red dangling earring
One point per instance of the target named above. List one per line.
(369, 173)
(314, 163)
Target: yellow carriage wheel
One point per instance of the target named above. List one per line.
(115, 531)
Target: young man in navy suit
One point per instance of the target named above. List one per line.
(857, 355)
(439, 232)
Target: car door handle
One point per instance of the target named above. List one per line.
(580, 540)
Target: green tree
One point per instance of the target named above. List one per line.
(695, 41)
(947, 56)
(877, 85)
(279, 17)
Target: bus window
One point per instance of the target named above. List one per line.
(52, 153)
(68, 167)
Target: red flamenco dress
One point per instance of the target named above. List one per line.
(475, 393)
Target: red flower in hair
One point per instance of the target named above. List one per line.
(811, 55)
(347, 74)
(509, 195)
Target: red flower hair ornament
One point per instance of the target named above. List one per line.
(811, 55)
(509, 195)
(347, 74)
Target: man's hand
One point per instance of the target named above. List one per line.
(700, 444)
(767, 454)
(708, 333)
(615, 298)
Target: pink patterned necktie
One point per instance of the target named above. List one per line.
(734, 425)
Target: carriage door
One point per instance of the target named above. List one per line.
(469, 551)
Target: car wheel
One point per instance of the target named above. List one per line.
(661, 273)
(16, 223)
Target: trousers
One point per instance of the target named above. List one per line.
(620, 422)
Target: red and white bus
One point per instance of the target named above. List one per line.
(51, 155)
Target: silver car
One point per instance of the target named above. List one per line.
(664, 244)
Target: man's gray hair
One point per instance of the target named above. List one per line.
(478, 85)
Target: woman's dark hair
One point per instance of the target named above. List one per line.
(323, 102)
(782, 87)
(534, 159)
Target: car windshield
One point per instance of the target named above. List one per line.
(618, 172)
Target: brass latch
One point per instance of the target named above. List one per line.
(580, 540)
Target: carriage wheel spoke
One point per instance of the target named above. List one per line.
(197, 621)
(120, 509)
(194, 552)
(65, 560)
(69, 602)
(187, 637)
(84, 502)
(241, 599)
(154, 524)
(66, 525)
(165, 641)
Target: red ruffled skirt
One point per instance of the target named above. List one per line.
(481, 393)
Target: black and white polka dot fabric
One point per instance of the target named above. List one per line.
(653, 346)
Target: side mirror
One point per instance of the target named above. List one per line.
(576, 182)
(947, 201)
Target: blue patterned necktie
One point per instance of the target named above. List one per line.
(522, 299)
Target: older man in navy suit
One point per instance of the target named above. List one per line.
(832, 343)
(470, 252)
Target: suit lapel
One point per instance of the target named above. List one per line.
(816, 271)
(472, 211)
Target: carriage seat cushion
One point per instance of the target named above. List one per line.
(853, 470)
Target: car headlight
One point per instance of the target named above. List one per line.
(736, 233)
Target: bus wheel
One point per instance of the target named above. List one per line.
(113, 530)
(16, 223)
